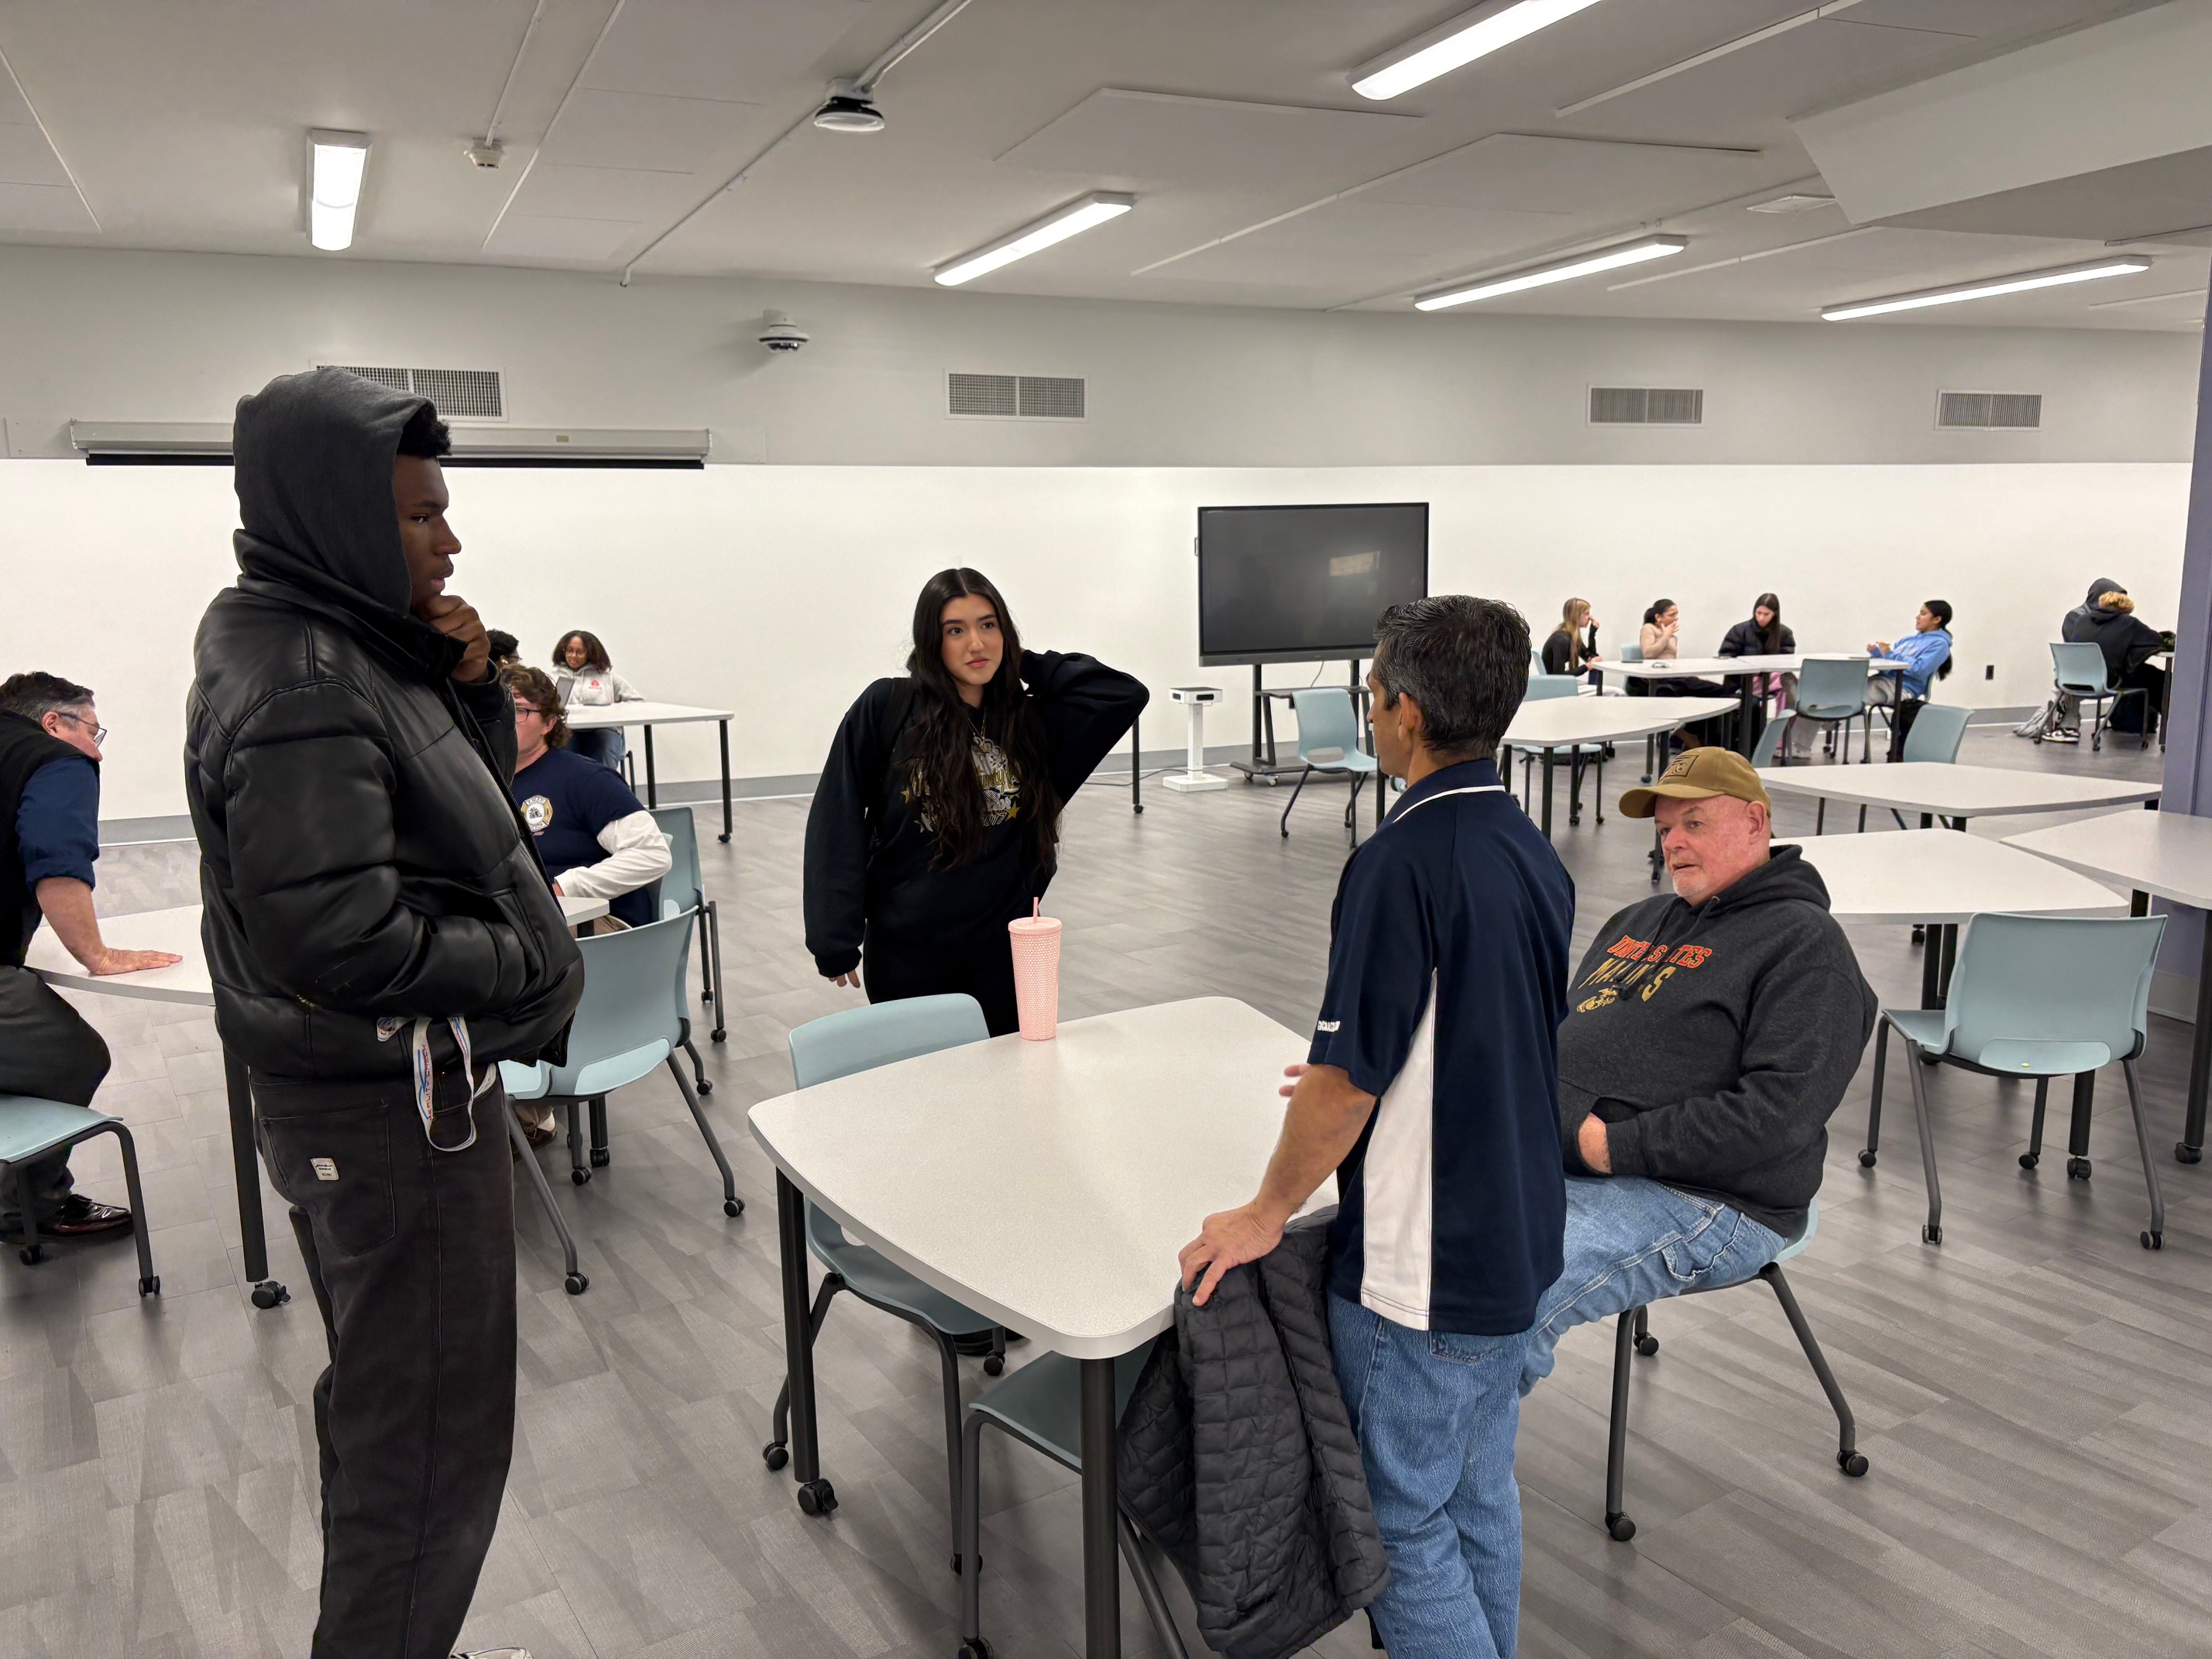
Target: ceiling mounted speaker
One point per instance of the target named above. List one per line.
(848, 110)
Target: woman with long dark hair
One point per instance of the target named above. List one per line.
(1763, 634)
(937, 819)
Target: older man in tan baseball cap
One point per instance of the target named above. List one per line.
(1709, 1035)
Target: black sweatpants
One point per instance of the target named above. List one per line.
(48, 1053)
(893, 970)
(411, 1254)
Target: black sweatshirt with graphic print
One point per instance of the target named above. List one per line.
(1714, 1040)
(871, 863)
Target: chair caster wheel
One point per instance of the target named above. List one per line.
(1620, 1527)
(579, 1176)
(270, 1294)
(1931, 1234)
(775, 1454)
(576, 1284)
(817, 1497)
(975, 1647)
(2152, 1241)
(734, 1207)
(703, 1086)
(1866, 1159)
(1647, 1345)
(994, 1365)
(705, 996)
(2185, 1153)
(31, 1255)
(718, 1034)
(1851, 1463)
(600, 1159)
(150, 1285)
(2029, 1160)
(1920, 936)
(2077, 1169)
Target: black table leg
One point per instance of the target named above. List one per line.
(2139, 903)
(1931, 970)
(723, 726)
(815, 1495)
(1101, 1561)
(245, 1165)
(2192, 1145)
(652, 787)
(1547, 795)
(1136, 770)
(1745, 736)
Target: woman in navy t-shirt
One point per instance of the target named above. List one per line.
(595, 839)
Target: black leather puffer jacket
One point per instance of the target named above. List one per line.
(360, 853)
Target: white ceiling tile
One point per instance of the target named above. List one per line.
(1588, 177)
(1138, 138)
(44, 208)
(545, 236)
(606, 193)
(26, 158)
(645, 131)
(1361, 245)
(723, 49)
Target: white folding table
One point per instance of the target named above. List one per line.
(1741, 669)
(601, 717)
(178, 932)
(1945, 789)
(2168, 853)
(1557, 724)
(1050, 1185)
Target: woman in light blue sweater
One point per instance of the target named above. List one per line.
(1926, 653)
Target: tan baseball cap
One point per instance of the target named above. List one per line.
(1698, 774)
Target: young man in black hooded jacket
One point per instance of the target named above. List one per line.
(380, 936)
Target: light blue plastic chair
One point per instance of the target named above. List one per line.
(1042, 1405)
(1633, 1332)
(681, 890)
(1937, 731)
(1541, 688)
(32, 1128)
(1832, 691)
(1329, 741)
(2079, 670)
(2040, 997)
(838, 1045)
(630, 1021)
(1631, 653)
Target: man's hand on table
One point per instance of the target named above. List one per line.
(105, 962)
(1229, 1239)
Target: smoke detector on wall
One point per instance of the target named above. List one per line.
(780, 334)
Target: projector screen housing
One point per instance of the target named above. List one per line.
(1304, 584)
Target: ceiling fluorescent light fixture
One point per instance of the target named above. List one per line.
(1989, 288)
(1073, 219)
(334, 186)
(1563, 270)
(1457, 44)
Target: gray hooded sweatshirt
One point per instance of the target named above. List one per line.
(1715, 1040)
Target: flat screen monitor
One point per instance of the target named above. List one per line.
(1304, 584)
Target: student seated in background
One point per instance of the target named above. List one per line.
(1573, 645)
(2107, 619)
(506, 649)
(594, 837)
(1661, 639)
(1764, 635)
(1429, 1096)
(1926, 653)
(1709, 1036)
(585, 678)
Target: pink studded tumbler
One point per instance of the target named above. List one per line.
(1036, 973)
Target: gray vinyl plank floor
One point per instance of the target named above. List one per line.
(2032, 1395)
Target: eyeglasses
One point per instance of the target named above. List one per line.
(99, 732)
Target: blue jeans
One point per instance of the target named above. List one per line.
(1435, 1415)
(1631, 1241)
(603, 743)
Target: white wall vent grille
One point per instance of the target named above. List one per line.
(1015, 397)
(1637, 405)
(461, 394)
(1990, 411)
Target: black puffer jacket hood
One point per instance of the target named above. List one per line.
(2100, 587)
(361, 858)
(2126, 641)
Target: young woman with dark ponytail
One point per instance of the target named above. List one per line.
(937, 819)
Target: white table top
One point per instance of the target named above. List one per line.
(1050, 1185)
(1709, 667)
(1562, 722)
(592, 717)
(178, 931)
(1953, 791)
(1940, 876)
(2168, 853)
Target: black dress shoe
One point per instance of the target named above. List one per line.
(80, 1218)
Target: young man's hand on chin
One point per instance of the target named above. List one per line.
(457, 619)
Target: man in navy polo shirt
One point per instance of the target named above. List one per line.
(1431, 1090)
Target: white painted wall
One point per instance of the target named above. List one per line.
(778, 591)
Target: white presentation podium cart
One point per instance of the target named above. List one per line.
(1194, 777)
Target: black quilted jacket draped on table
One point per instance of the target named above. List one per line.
(1238, 1457)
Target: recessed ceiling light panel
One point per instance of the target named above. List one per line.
(1073, 219)
(1989, 287)
(1559, 270)
(1458, 43)
(338, 161)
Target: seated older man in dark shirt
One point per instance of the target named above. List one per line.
(1709, 1038)
(50, 736)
